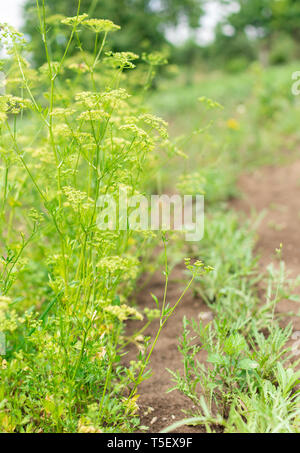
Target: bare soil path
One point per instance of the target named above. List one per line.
(275, 190)
(159, 409)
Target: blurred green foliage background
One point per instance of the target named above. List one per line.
(265, 30)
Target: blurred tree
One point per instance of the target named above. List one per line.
(267, 17)
(233, 52)
(267, 29)
(143, 22)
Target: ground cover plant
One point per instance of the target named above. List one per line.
(249, 379)
(248, 382)
(72, 130)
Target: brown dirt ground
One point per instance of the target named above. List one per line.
(166, 408)
(275, 190)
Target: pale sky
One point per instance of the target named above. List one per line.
(10, 12)
(205, 34)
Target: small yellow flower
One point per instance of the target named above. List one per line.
(131, 404)
(3, 364)
(124, 312)
(233, 124)
(85, 427)
(101, 25)
(73, 21)
(131, 241)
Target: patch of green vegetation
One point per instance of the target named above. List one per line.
(257, 126)
(247, 383)
(71, 131)
(77, 128)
